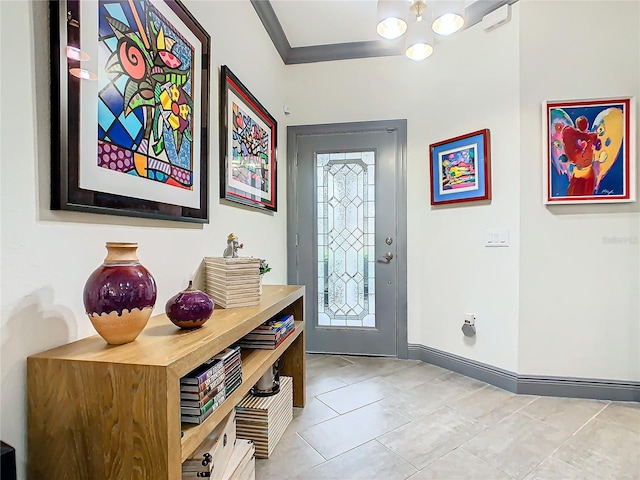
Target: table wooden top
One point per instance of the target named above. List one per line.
(163, 344)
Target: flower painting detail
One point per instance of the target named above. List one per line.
(250, 151)
(588, 151)
(248, 140)
(145, 100)
(458, 169)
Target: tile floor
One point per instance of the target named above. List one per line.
(375, 418)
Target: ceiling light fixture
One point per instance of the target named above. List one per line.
(444, 17)
(392, 19)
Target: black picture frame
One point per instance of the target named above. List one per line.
(248, 171)
(68, 132)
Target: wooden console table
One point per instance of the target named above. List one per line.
(98, 412)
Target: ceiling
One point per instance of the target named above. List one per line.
(305, 31)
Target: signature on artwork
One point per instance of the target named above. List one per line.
(606, 192)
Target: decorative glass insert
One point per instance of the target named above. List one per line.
(346, 230)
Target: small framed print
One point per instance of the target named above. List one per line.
(461, 169)
(248, 140)
(589, 151)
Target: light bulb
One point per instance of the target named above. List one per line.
(392, 28)
(447, 24)
(419, 51)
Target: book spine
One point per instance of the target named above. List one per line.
(200, 402)
(186, 418)
(204, 387)
(201, 377)
(197, 410)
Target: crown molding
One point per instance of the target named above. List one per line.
(346, 51)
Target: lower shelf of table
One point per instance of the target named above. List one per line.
(254, 364)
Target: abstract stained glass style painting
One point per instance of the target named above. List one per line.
(250, 151)
(588, 146)
(346, 239)
(248, 140)
(145, 100)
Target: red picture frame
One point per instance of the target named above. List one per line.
(460, 169)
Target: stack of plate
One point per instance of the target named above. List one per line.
(264, 419)
(233, 282)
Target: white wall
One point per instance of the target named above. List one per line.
(470, 83)
(47, 256)
(579, 296)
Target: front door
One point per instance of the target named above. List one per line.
(346, 244)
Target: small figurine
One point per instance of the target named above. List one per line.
(232, 246)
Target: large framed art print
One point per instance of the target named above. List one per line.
(248, 141)
(460, 169)
(130, 107)
(589, 151)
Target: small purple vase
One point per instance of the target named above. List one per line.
(190, 308)
(119, 295)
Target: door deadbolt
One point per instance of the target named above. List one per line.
(388, 240)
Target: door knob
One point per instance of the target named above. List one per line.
(388, 256)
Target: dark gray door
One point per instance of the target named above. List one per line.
(346, 241)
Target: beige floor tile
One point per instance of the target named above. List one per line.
(425, 398)
(566, 414)
(338, 435)
(461, 382)
(281, 465)
(460, 465)
(616, 444)
(555, 469)
(367, 462)
(314, 412)
(368, 367)
(325, 365)
(357, 395)
(517, 444)
(626, 414)
(322, 384)
(414, 375)
(430, 437)
(489, 405)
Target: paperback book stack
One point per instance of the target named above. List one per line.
(270, 334)
(232, 368)
(233, 282)
(202, 391)
(264, 419)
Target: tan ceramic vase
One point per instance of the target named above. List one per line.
(119, 295)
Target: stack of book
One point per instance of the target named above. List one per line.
(233, 282)
(202, 391)
(270, 334)
(232, 367)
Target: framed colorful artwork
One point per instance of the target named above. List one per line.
(461, 169)
(130, 109)
(589, 151)
(248, 141)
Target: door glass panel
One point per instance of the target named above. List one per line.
(345, 199)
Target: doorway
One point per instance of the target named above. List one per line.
(347, 235)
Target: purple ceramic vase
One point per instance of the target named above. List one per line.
(190, 308)
(119, 295)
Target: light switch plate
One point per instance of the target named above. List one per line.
(496, 237)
